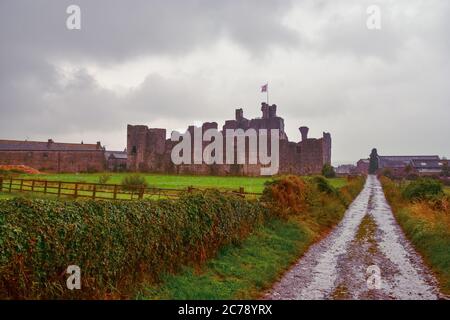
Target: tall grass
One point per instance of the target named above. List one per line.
(426, 222)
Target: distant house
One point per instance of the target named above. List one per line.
(428, 167)
(400, 166)
(345, 170)
(362, 166)
(403, 165)
(116, 160)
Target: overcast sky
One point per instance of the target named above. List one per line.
(173, 63)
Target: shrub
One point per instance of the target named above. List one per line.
(286, 195)
(328, 171)
(116, 244)
(387, 173)
(324, 186)
(104, 178)
(134, 182)
(423, 188)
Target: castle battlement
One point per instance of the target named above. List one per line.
(149, 150)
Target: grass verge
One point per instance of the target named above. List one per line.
(239, 272)
(426, 223)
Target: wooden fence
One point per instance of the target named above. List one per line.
(99, 190)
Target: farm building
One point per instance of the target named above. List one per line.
(399, 166)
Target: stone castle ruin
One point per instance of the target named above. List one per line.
(148, 149)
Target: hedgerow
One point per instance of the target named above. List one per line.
(116, 244)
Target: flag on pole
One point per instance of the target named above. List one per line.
(264, 87)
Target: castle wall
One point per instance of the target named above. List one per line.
(149, 150)
(56, 161)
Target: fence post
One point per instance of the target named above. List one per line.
(59, 189)
(115, 192)
(241, 192)
(76, 191)
(45, 186)
(141, 192)
(21, 185)
(10, 184)
(32, 186)
(94, 191)
(1, 184)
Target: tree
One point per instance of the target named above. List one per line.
(328, 171)
(373, 163)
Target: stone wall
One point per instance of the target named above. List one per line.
(53, 157)
(56, 161)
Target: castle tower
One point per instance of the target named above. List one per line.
(304, 132)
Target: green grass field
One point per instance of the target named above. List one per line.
(250, 184)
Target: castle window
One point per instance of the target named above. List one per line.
(134, 150)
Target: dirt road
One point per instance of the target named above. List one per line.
(365, 257)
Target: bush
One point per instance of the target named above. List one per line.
(324, 186)
(104, 178)
(116, 244)
(134, 182)
(328, 171)
(286, 195)
(387, 173)
(423, 188)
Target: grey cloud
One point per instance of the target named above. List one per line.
(385, 89)
(114, 30)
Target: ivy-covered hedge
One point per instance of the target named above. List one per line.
(115, 244)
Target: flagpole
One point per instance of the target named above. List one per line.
(267, 94)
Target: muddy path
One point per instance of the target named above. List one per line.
(365, 257)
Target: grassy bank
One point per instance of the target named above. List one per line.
(246, 270)
(239, 272)
(426, 222)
